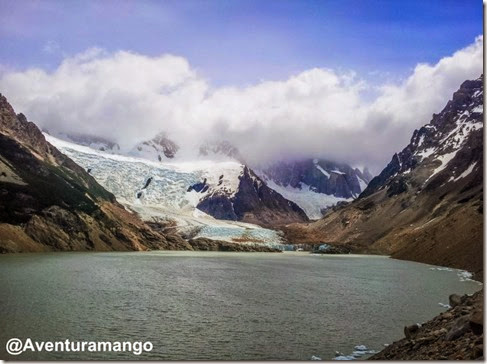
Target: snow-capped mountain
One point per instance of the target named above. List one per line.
(316, 184)
(158, 148)
(191, 193)
(49, 203)
(442, 151)
(220, 149)
(311, 185)
(251, 201)
(427, 203)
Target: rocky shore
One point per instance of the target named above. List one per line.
(456, 334)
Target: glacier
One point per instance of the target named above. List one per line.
(160, 190)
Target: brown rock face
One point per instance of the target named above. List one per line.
(49, 203)
(427, 204)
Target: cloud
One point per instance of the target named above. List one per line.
(51, 47)
(130, 97)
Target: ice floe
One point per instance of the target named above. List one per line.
(463, 275)
(358, 352)
(445, 305)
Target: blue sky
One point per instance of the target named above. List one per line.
(233, 42)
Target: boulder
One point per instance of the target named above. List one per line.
(477, 321)
(459, 328)
(411, 331)
(455, 300)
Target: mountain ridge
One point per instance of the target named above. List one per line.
(50, 203)
(427, 203)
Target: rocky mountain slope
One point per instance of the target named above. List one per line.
(49, 203)
(252, 201)
(427, 204)
(158, 148)
(315, 184)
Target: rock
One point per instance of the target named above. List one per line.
(477, 321)
(478, 351)
(439, 332)
(323, 176)
(411, 331)
(447, 315)
(455, 300)
(460, 327)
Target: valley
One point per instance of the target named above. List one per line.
(425, 206)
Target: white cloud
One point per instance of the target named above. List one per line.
(51, 47)
(318, 113)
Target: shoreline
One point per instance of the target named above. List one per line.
(394, 347)
(456, 334)
(472, 276)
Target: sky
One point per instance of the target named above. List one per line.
(341, 79)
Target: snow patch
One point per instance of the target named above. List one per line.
(421, 140)
(362, 183)
(310, 201)
(322, 170)
(426, 153)
(466, 172)
(444, 159)
(479, 109)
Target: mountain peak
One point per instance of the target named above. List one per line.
(438, 142)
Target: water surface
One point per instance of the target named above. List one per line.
(209, 305)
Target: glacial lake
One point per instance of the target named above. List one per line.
(212, 305)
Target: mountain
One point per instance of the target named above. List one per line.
(427, 203)
(220, 149)
(251, 201)
(188, 193)
(158, 148)
(92, 141)
(214, 183)
(315, 184)
(312, 185)
(51, 203)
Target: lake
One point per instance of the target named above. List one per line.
(215, 305)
